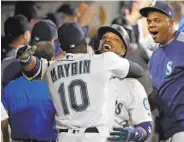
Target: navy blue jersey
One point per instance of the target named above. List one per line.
(167, 71)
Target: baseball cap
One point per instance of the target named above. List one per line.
(44, 30)
(71, 35)
(16, 25)
(27, 8)
(159, 6)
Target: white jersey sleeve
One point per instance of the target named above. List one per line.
(131, 103)
(3, 113)
(138, 105)
(118, 66)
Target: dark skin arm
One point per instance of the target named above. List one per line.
(4, 128)
(135, 71)
(152, 99)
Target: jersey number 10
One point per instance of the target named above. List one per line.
(72, 96)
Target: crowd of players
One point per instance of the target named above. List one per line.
(34, 109)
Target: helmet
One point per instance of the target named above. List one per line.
(118, 30)
(124, 23)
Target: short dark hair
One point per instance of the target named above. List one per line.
(44, 50)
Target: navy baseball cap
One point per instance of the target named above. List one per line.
(16, 25)
(71, 35)
(159, 6)
(44, 30)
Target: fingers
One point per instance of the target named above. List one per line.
(32, 49)
(115, 133)
(135, 7)
(117, 139)
(118, 129)
(119, 133)
(127, 12)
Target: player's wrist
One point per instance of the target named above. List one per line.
(146, 128)
(135, 134)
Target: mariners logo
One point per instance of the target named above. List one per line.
(146, 104)
(169, 68)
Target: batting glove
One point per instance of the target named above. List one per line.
(23, 53)
(120, 134)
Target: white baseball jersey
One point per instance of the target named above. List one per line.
(79, 88)
(132, 102)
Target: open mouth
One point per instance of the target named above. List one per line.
(153, 33)
(106, 47)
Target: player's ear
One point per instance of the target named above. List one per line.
(26, 34)
(171, 22)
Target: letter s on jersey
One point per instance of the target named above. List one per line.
(118, 107)
(169, 68)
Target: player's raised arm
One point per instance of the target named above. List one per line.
(122, 67)
(31, 65)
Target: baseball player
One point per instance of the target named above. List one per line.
(167, 70)
(78, 84)
(132, 102)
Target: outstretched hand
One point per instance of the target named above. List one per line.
(119, 134)
(86, 14)
(126, 134)
(133, 16)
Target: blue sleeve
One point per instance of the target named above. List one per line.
(4, 98)
(148, 127)
(31, 67)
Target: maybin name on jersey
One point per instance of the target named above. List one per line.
(71, 69)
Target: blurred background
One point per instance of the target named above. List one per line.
(8, 7)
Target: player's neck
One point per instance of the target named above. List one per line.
(16, 44)
(170, 38)
(76, 51)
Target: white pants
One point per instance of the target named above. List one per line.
(178, 137)
(86, 137)
(81, 137)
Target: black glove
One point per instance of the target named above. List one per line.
(25, 52)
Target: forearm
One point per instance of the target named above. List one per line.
(152, 99)
(4, 128)
(135, 70)
(6, 137)
(31, 66)
(144, 130)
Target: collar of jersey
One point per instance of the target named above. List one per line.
(71, 56)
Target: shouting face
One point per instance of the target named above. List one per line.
(160, 27)
(111, 42)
